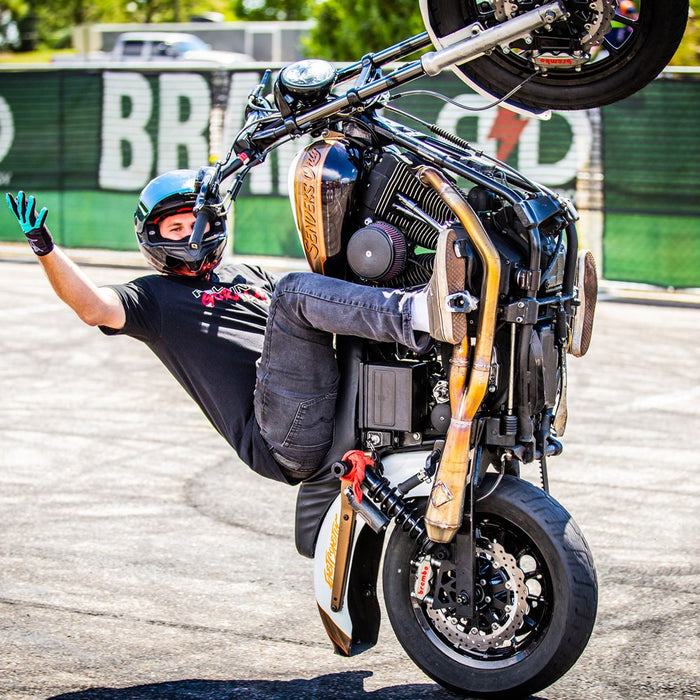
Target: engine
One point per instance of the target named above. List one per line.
(405, 400)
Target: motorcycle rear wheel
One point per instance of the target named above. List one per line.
(536, 598)
(620, 70)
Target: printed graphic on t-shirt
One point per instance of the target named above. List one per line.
(229, 295)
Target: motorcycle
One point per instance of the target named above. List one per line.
(488, 583)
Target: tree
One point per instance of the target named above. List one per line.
(347, 29)
(264, 10)
(688, 53)
(51, 22)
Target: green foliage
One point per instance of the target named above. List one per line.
(688, 53)
(263, 10)
(49, 23)
(172, 10)
(345, 31)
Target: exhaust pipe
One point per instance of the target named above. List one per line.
(444, 514)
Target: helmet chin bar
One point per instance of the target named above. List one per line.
(179, 258)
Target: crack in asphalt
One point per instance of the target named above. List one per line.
(160, 623)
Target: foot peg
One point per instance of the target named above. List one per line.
(461, 302)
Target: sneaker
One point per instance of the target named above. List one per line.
(586, 281)
(447, 278)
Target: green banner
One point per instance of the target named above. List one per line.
(651, 162)
(85, 142)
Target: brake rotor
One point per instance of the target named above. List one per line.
(501, 602)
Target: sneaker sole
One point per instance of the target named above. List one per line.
(587, 283)
(450, 279)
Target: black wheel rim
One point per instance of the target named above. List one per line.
(513, 599)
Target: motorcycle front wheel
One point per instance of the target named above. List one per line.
(627, 57)
(535, 604)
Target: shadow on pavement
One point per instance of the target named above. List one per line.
(336, 685)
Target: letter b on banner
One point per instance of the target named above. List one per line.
(128, 152)
(127, 149)
(183, 122)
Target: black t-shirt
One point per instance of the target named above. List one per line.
(209, 334)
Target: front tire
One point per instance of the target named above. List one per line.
(536, 598)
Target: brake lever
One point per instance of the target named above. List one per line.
(200, 226)
(255, 95)
(208, 190)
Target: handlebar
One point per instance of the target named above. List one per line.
(431, 64)
(454, 53)
(381, 58)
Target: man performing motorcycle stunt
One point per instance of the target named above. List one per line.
(211, 325)
(488, 582)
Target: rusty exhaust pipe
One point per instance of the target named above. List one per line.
(444, 514)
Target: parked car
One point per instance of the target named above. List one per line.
(170, 46)
(161, 47)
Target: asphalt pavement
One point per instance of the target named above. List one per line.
(140, 559)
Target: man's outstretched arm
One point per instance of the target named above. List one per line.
(96, 306)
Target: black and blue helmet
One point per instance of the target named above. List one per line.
(169, 194)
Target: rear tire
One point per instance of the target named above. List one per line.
(622, 70)
(536, 598)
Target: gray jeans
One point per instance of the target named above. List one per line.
(297, 378)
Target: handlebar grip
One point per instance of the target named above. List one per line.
(236, 164)
(200, 225)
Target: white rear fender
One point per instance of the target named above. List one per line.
(353, 627)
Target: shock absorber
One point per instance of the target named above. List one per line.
(389, 499)
(391, 502)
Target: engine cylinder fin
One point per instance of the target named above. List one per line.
(393, 176)
(418, 271)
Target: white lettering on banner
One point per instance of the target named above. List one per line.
(175, 131)
(568, 167)
(499, 131)
(7, 128)
(241, 86)
(261, 179)
(126, 110)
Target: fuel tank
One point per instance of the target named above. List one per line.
(322, 180)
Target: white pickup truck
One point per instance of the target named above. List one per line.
(170, 46)
(161, 47)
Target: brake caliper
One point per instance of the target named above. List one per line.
(566, 44)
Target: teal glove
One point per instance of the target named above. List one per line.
(33, 226)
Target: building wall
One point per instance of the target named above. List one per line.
(275, 42)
